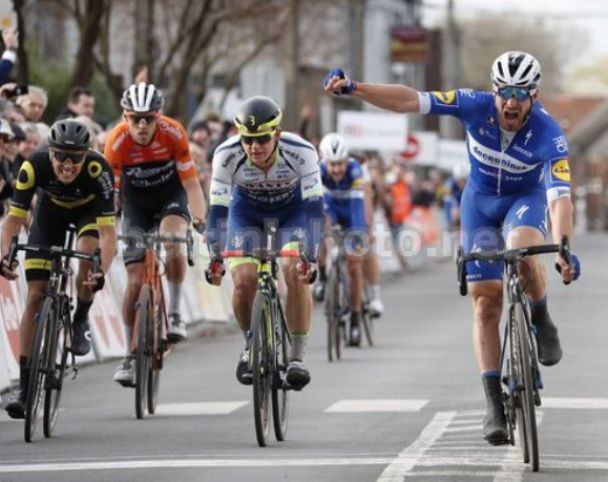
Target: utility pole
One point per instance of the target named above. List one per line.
(451, 128)
(292, 65)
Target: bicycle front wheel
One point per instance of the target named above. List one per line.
(332, 312)
(260, 354)
(38, 367)
(280, 395)
(528, 433)
(143, 317)
(157, 357)
(58, 360)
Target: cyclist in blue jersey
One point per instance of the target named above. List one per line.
(261, 176)
(343, 201)
(519, 166)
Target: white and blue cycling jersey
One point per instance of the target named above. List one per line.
(243, 198)
(513, 175)
(343, 200)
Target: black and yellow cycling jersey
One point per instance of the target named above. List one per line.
(93, 187)
(87, 202)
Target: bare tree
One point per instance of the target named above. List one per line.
(19, 6)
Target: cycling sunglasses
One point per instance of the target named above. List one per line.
(259, 139)
(75, 156)
(518, 93)
(137, 118)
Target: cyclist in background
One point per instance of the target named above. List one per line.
(262, 176)
(454, 188)
(74, 186)
(519, 167)
(343, 201)
(157, 181)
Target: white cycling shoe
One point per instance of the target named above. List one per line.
(376, 307)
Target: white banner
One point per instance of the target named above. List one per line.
(375, 131)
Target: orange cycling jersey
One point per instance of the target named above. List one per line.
(155, 165)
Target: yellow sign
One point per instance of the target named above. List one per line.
(447, 98)
(561, 170)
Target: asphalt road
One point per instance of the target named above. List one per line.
(407, 409)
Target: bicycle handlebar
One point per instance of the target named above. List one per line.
(509, 256)
(54, 252)
(148, 240)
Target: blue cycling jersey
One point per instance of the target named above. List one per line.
(534, 159)
(343, 199)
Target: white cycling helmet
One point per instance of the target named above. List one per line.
(517, 69)
(142, 97)
(461, 171)
(333, 148)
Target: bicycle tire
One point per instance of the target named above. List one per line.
(260, 353)
(280, 394)
(528, 405)
(38, 366)
(332, 308)
(367, 320)
(157, 357)
(143, 351)
(58, 360)
(518, 387)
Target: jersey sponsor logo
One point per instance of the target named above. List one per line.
(106, 183)
(470, 93)
(184, 166)
(446, 98)
(170, 129)
(521, 150)
(497, 159)
(561, 144)
(560, 170)
(522, 210)
(528, 136)
(94, 169)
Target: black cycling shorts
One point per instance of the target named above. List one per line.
(143, 214)
(49, 228)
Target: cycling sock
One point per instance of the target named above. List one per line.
(354, 318)
(322, 274)
(128, 338)
(539, 303)
(175, 292)
(298, 346)
(491, 388)
(540, 313)
(24, 372)
(82, 310)
(375, 289)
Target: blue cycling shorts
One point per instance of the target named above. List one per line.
(487, 220)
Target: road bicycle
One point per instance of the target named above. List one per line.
(149, 344)
(270, 338)
(522, 380)
(53, 333)
(337, 299)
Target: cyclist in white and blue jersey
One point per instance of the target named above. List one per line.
(343, 200)
(259, 177)
(519, 167)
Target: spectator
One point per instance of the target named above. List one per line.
(6, 134)
(400, 207)
(200, 134)
(27, 147)
(81, 102)
(33, 103)
(10, 37)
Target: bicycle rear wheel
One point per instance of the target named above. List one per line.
(157, 356)
(280, 395)
(58, 360)
(527, 411)
(332, 306)
(260, 353)
(38, 366)
(143, 317)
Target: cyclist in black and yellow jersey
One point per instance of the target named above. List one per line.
(74, 185)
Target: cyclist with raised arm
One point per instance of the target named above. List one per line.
(157, 182)
(519, 166)
(266, 176)
(74, 186)
(343, 201)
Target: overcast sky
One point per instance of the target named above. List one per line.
(589, 16)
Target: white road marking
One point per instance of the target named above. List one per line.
(411, 455)
(576, 403)
(199, 408)
(357, 406)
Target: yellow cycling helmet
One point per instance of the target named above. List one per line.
(258, 116)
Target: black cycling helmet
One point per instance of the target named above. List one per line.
(142, 97)
(69, 134)
(258, 116)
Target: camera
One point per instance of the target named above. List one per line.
(17, 91)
